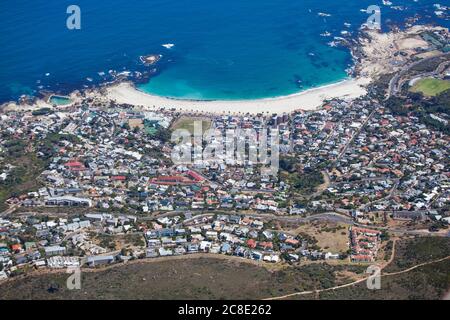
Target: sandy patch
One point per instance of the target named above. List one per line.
(307, 100)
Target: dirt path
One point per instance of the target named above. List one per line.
(232, 259)
(394, 243)
(360, 280)
(324, 186)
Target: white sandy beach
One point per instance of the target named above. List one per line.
(306, 100)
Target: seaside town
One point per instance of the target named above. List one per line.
(91, 182)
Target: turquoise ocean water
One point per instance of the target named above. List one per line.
(235, 49)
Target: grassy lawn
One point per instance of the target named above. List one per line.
(187, 123)
(117, 242)
(28, 169)
(330, 236)
(305, 184)
(431, 87)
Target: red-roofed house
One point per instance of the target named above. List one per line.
(195, 176)
(17, 247)
(171, 180)
(75, 166)
(293, 242)
(251, 243)
(265, 245)
(118, 178)
(119, 181)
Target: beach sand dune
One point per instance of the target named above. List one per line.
(306, 100)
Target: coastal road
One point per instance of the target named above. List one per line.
(441, 67)
(393, 83)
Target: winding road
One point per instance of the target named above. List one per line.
(394, 86)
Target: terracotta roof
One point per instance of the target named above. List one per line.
(118, 178)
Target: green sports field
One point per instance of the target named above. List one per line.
(430, 86)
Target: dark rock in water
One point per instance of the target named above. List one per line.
(53, 288)
(150, 59)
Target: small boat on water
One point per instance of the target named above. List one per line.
(168, 45)
(322, 14)
(325, 34)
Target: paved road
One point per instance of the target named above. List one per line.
(441, 67)
(328, 216)
(393, 84)
(9, 211)
(355, 135)
(331, 216)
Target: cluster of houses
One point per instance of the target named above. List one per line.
(59, 243)
(116, 163)
(377, 161)
(364, 244)
(117, 160)
(406, 153)
(244, 237)
(113, 160)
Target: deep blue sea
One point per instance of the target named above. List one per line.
(234, 49)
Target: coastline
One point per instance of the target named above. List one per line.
(373, 60)
(372, 55)
(310, 99)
